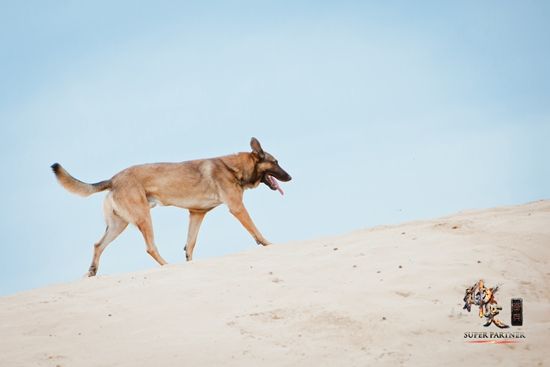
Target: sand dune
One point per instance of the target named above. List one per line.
(383, 296)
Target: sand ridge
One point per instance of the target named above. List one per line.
(384, 296)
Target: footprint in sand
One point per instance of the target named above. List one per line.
(403, 294)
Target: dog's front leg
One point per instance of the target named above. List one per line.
(240, 212)
(195, 220)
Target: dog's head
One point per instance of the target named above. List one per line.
(267, 167)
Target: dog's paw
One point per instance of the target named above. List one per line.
(263, 242)
(91, 272)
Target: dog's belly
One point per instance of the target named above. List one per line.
(190, 186)
(186, 203)
(193, 203)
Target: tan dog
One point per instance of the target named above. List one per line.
(199, 186)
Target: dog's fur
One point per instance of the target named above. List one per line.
(198, 186)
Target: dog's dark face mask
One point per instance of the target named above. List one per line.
(268, 167)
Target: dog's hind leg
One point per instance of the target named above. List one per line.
(115, 226)
(146, 228)
(132, 204)
(195, 220)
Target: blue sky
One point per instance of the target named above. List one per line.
(382, 112)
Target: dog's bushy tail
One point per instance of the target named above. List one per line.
(76, 186)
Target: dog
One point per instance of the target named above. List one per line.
(197, 185)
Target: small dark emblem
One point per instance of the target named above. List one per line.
(517, 311)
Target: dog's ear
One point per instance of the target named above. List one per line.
(257, 148)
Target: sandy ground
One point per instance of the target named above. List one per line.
(383, 296)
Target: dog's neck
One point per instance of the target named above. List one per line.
(245, 174)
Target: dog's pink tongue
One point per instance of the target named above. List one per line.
(276, 184)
